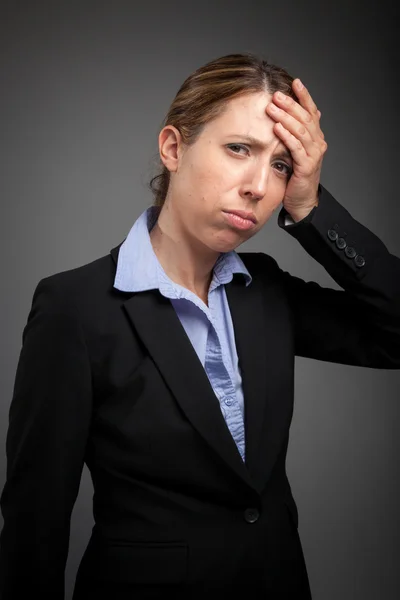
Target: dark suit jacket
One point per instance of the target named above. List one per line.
(111, 379)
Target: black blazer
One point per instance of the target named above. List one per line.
(111, 379)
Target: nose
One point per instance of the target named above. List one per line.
(256, 182)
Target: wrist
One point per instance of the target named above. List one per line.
(298, 213)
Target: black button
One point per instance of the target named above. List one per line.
(350, 252)
(251, 515)
(359, 260)
(341, 243)
(332, 235)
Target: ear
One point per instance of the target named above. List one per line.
(170, 146)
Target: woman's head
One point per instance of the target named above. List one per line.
(208, 163)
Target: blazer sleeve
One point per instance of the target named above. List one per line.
(49, 420)
(360, 323)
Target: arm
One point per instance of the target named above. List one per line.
(361, 324)
(48, 426)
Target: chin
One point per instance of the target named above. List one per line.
(227, 245)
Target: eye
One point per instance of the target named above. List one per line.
(284, 166)
(233, 147)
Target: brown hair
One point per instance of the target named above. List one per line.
(204, 94)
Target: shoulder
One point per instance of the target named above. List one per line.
(78, 289)
(260, 264)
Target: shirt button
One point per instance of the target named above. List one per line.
(251, 515)
(228, 401)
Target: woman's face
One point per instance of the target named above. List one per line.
(225, 171)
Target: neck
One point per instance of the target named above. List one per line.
(185, 260)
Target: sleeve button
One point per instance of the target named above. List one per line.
(332, 235)
(350, 252)
(359, 260)
(341, 243)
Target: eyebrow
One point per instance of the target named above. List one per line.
(260, 145)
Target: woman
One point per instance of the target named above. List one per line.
(168, 365)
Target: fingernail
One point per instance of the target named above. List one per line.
(299, 85)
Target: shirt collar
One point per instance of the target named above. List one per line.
(138, 268)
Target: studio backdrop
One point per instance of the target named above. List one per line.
(84, 89)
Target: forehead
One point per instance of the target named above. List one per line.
(245, 114)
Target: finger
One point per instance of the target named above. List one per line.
(297, 130)
(311, 122)
(308, 103)
(304, 96)
(296, 148)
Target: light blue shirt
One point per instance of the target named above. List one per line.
(209, 328)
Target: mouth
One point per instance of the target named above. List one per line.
(241, 219)
(249, 216)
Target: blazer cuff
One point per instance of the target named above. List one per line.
(334, 238)
(285, 220)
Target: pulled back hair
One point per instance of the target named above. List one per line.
(204, 94)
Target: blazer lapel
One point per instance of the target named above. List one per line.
(247, 307)
(261, 321)
(156, 322)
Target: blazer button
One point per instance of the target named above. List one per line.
(350, 252)
(341, 243)
(251, 515)
(332, 235)
(359, 260)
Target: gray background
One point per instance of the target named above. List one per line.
(84, 89)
